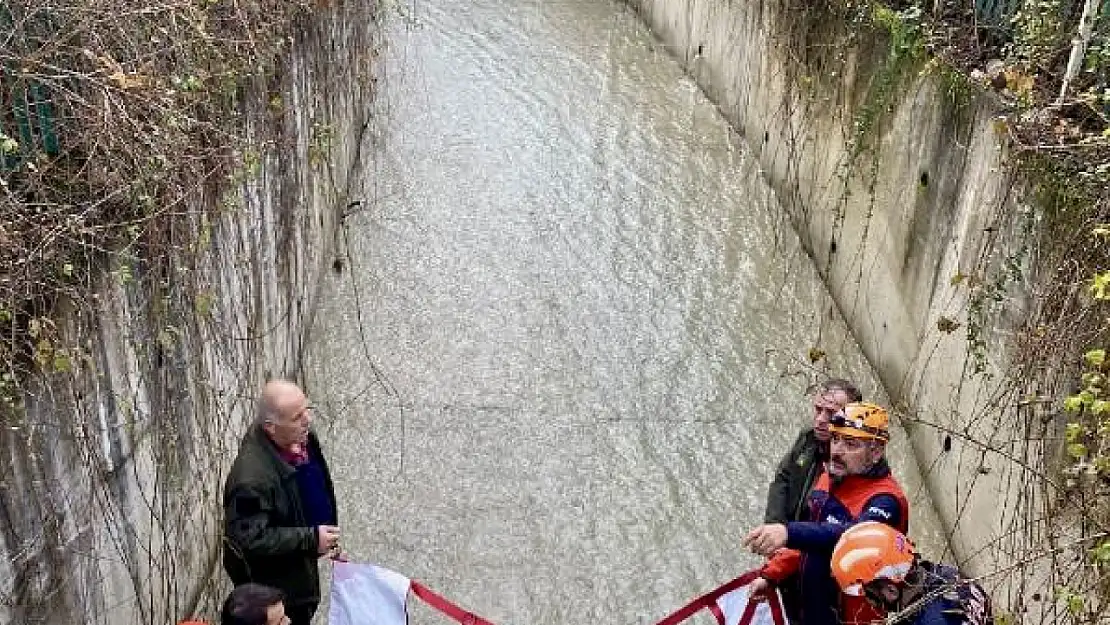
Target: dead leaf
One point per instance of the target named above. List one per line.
(1019, 83)
(946, 325)
(127, 81)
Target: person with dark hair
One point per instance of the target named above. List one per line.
(280, 510)
(254, 604)
(800, 467)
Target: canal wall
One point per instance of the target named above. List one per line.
(894, 173)
(110, 482)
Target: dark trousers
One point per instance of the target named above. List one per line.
(300, 614)
(791, 592)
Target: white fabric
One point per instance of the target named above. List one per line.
(364, 594)
(734, 603)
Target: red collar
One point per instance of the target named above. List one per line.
(295, 455)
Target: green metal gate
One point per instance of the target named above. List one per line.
(26, 110)
(997, 14)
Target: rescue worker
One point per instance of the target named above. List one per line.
(855, 486)
(799, 468)
(879, 563)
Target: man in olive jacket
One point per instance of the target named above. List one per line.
(279, 503)
(800, 467)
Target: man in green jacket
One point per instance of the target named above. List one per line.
(280, 510)
(800, 467)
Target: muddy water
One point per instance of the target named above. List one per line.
(569, 337)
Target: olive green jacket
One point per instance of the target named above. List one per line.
(796, 473)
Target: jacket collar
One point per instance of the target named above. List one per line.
(259, 437)
(821, 448)
(877, 472)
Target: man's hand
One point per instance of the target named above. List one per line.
(327, 539)
(766, 539)
(759, 588)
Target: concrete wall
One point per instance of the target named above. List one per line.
(110, 487)
(889, 229)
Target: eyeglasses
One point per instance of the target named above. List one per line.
(309, 411)
(297, 420)
(851, 442)
(840, 420)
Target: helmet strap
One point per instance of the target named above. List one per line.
(880, 599)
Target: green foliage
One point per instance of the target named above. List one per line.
(1101, 553)
(205, 300)
(1073, 601)
(320, 144)
(1040, 31)
(112, 159)
(1095, 358)
(906, 50)
(8, 145)
(1100, 286)
(1059, 157)
(905, 28)
(1087, 433)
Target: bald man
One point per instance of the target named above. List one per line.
(280, 511)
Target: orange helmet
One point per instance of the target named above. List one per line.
(870, 551)
(860, 420)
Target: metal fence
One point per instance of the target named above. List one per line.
(996, 14)
(27, 113)
(1065, 32)
(999, 14)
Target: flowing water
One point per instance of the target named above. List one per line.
(569, 337)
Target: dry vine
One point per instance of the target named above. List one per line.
(1035, 313)
(115, 114)
(120, 122)
(1051, 454)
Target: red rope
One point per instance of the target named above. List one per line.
(445, 606)
(708, 601)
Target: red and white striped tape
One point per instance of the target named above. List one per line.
(365, 594)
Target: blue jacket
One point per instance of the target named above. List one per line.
(833, 508)
(957, 602)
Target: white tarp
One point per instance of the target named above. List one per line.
(365, 594)
(735, 605)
